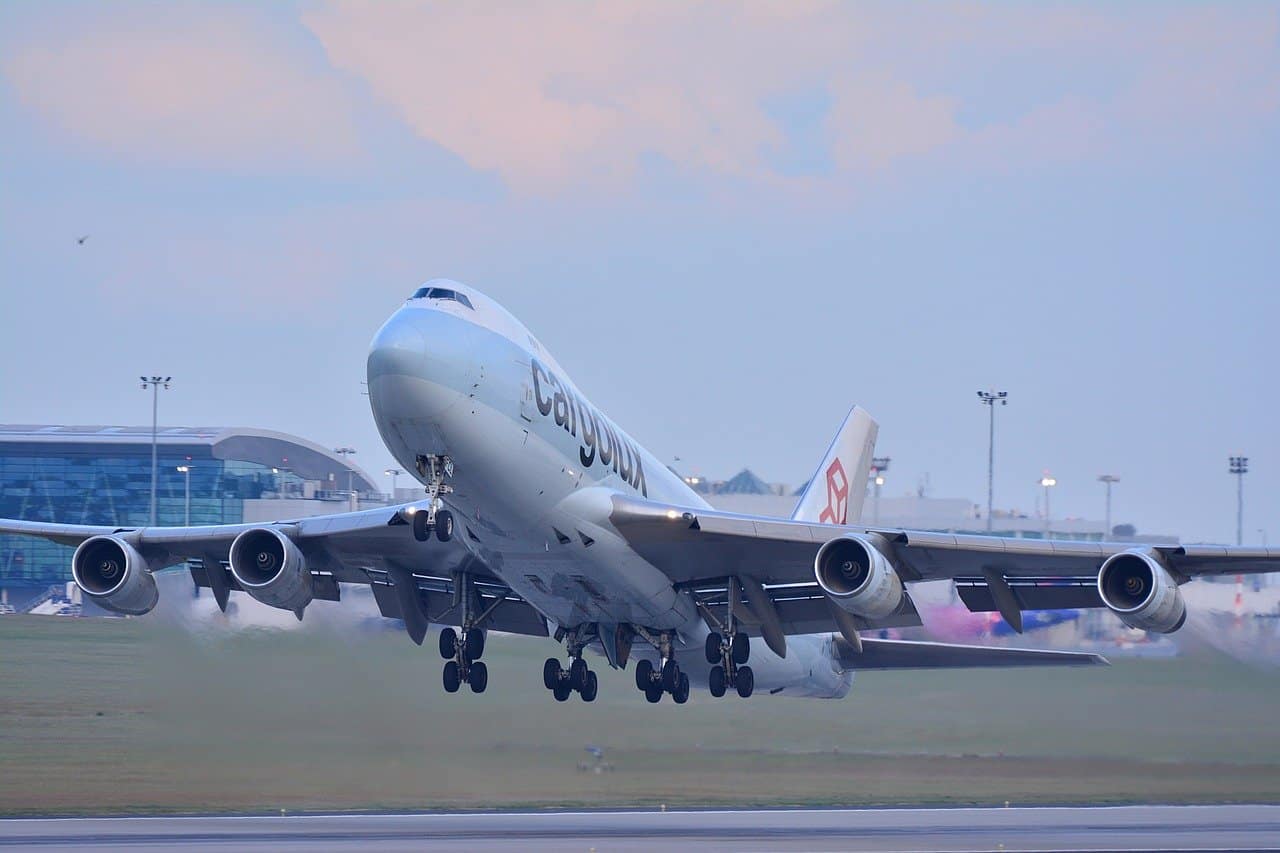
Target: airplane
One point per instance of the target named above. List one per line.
(542, 517)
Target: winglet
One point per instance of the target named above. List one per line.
(836, 490)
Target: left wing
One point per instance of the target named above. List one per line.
(700, 548)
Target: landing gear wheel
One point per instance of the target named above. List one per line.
(713, 647)
(590, 689)
(561, 691)
(452, 677)
(681, 694)
(444, 525)
(478, 677)
(421, 530)
(448, 643)
(474, 643)
(670, 675)
(740, 648)
(717, 682)
(653, 694)
(578, 674)
(551, 673)
(745, 682)
(644, 673)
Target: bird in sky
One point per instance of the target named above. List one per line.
(80, 240)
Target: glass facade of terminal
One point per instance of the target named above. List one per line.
(110, 484)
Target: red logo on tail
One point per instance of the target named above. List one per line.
(837, 495)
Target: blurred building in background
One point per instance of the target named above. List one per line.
(205, 475)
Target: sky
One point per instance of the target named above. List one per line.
(730, 222)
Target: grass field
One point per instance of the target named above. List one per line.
(141, 716)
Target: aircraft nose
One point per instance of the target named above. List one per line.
(398, 349)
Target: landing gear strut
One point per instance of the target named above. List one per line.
(435, 517)
(578, 677)
(462, 649)
(728, 654)
(667, 677)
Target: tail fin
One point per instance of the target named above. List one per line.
(836, 490)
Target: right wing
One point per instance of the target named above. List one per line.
(417, 582)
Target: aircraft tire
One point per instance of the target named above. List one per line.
(475, 643)
(670, 675)
(452, 677)
(644, 673)
(591, 688)
(578, 674)
(681, 695)
(653, 694)
(448, 643)
(745, 682)
(713, 648)
(717, 682)
(421, 531)
(444, 525)
(551, 673)
(478, 677)
(561, 691)
(741, 648)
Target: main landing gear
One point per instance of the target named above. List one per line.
(728, 657)
(666, 677)
(435, 517)
(578, 678)
(463, 648)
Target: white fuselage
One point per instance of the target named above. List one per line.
(535, 468)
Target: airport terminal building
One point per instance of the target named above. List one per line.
(102, 475)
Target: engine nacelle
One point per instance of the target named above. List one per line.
(268, 565)
(857, 576)
(1137, 587)
(111, 572)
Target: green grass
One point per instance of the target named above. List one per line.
(140, 716)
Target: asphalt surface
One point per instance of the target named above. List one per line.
(1127, 828)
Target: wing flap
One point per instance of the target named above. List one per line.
(914, 654)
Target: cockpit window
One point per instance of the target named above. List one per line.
(442, 293)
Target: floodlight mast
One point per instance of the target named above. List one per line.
(1109, 480)
(989, 399)
(1239, 465)
(154, 383)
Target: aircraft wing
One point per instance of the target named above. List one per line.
(701, 548)
(411, 580)
(912, 654)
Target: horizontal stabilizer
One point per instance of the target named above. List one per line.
(912, 654)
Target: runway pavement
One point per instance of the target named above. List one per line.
(1127, 828)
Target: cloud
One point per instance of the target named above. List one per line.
(553, 94)
(213, 86)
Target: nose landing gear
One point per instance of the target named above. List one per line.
(435, 517)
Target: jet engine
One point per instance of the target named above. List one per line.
(854, 573)
(111, 572)
(268, 565)
(1137, 587)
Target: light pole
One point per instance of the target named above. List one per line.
(345, 452)
(1108, 479)
(393, 473)
(989, 399)
(879, 465)
(154, 383)
(185, 470)
(1047, 482)
(1239, 465)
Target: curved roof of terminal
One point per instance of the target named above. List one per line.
(308, 460)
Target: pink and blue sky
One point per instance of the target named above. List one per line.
(729, 221)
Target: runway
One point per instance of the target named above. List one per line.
(1125, 828)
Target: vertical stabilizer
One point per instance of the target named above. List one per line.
(836, 491)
